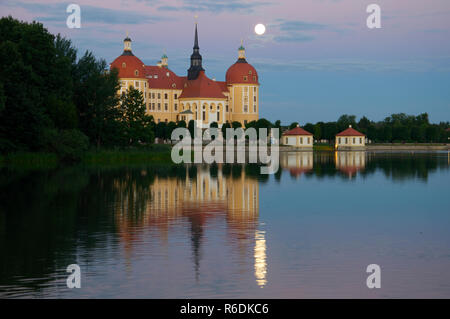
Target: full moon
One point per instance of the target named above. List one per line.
(260, 29)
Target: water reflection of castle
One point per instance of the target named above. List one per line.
(202, 197)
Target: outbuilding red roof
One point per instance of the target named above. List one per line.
(202, 87)
(297, 131)
(350, 132)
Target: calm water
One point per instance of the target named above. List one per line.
(226, 231)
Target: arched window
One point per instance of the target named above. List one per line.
(136, 72)
(124, 65)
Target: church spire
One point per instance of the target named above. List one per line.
(196, 59)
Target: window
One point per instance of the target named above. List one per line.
(246, 108)
(176, 107)
(218, 116)
(245, 78)
(246, 98)
(360, 140)
(210, 107)
(254, 108)
(175, 96)
(226, 107)
(309, 140)
(250, 72)
(254, 89)
(301, 140)
(254, 98)
(153, 95)
(124, 65)
(204, 116)
(346, 140)
(159, 106)
(165, 106)
(159, 95)
(145, 84)
(339, 140)
(254, 78)
(136, 72)
(153, 106)
(165, 96)
(353, 140)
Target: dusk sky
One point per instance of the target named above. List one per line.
(316, 61)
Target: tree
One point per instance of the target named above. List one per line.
(236, 124)
(136, 124)
(224, 129)
(96, 100)
(191, 128)
(345, 121)
(293, 125)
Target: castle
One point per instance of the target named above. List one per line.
(169, 97)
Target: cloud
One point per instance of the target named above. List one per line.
(215, 6)
(352, 65)
(293, 37)
(298, 25)
(56, 12)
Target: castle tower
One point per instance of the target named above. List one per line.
(164, 61)
(127, 46)
(241, 53)
(196, 59)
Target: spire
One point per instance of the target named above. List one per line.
(127, 46)
(196, 59)
(196, 37)
(241, 53)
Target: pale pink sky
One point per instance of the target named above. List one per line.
(302, 36)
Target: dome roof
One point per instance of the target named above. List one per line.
(242, 72)
(129, 66)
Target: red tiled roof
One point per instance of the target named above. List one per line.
(202, 87)
(127, 70)
(236, 73)
(163, 78)
(350, 132)
(297, 131)
(223, 86)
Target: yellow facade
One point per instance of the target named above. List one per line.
(240, 101)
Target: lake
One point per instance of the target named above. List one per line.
(225, 231)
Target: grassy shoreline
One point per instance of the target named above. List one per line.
(158, 154)
(154, 154)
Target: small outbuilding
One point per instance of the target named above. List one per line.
(298, 137)
(350, 139)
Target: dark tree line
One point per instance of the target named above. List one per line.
(50, 100)
(395, 128)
